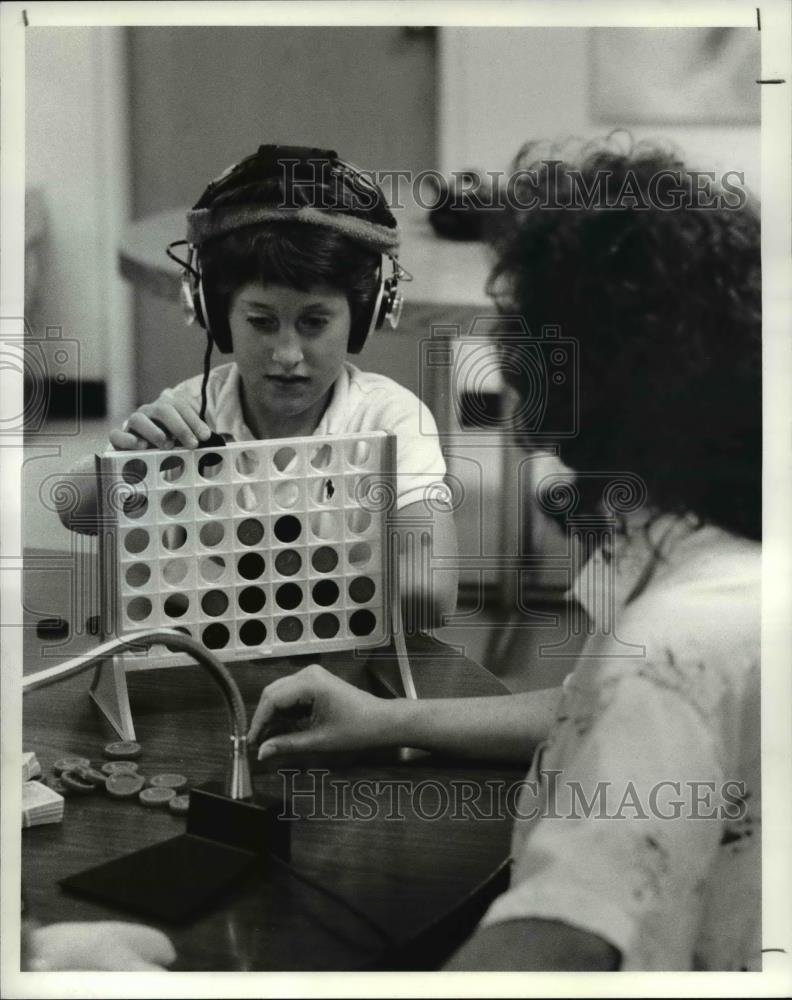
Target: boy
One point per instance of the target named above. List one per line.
(292, 264)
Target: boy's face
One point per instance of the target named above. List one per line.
(289, 345)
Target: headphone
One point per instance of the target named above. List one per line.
(309, 185)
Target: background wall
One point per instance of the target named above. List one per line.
(539, 87)
(74, 141)
(194, 100)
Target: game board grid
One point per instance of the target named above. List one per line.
(174, 511)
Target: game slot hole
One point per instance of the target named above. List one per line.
(322, 491)
(215, 636)
(135, 505)
(284, 459)
(174, 537)
(247, 462)
(322, 458)
(138, 609)
(288, 596)
(174, 571)
(359, 554)
(172, 468)
(176, 605)
(253, 632)
(252, 600)
(173, 502)
(250, 497)
(289, 629)
(362, 589)
(136, 541)
(288, 562)
(134, 471)
(325, 524)
(210, 465)
(138, 574)
(358, 521)
(250, 531)
(287, 529)
(251, 565)
(286, 494)
(211, 534)
(214, 603)
(324, 559)
(210, 500)
(325, 593)
(362, 622)
(358, 453)
(212, 568)
(325, 626)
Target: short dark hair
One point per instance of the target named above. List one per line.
(666, 307)
(296, 255)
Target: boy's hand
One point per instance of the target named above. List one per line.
(168, 421)
(323, 713)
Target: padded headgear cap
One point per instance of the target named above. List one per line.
(305, 185)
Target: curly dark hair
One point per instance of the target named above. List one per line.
(665, 303)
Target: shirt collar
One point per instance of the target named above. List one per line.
(335, 418)
(645, 550)
(230, 421)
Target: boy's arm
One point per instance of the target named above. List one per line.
(78, 488)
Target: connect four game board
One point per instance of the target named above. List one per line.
(261, 548)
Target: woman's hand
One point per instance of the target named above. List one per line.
(170, 420)
(106, 945)
(323, 713)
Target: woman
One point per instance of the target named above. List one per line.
(649, 856)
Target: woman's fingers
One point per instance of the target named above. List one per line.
(152, 945)
(294, 742)
(111, 945)
(282, 695)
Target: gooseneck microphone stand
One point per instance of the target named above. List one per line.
(239, 784)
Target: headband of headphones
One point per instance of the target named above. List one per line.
(306, 185)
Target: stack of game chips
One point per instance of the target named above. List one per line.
(30, 766)
(40, 804)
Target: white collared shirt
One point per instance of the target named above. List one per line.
(658, 729)
(361, 401)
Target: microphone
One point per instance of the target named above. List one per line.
(239, 784)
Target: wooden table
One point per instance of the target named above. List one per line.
(400, 870)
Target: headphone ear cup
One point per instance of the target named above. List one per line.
(189, 301)
(217, 323)
(386, 308)
(359, 333)
(391, 305)
(210, 311)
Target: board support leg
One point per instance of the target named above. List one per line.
(405, 754)
(109, 693)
